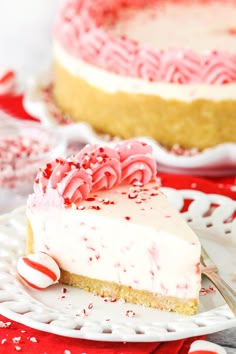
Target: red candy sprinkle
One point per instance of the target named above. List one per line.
(205, 291)
(132, 195)
(67, 201)
(95, 207)
(130, 313)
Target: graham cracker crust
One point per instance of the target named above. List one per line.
(117, 291)
(133, 296)
(200, 123)
(29, 238)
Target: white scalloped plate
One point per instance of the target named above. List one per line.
(48, 311)
(217, 161)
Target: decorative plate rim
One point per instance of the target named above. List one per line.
(216, 161)
(207, 322)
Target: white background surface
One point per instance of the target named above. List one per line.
(25, 34)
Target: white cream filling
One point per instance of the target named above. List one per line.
(115, 251)
(154, 250)
(113, 83)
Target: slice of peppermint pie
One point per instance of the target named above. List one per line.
(101, 215)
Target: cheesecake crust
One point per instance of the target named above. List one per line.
(197, 124)
(134, 296)
(117, 291)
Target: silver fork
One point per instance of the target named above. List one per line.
(210, 270)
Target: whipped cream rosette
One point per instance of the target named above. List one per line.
(103, 164)
(137, 163)
(72, 182)
(95, 168)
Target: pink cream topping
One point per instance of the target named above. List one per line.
(136, 162)
(96, 168)
(81, 28)
(103, 164)
(71, 181)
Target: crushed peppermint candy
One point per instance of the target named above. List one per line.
(62, 297)
(16, 340)
(130, 313)
(180, 151)
(205, 291)
(47, 97)
(5, 324)
(17, 153)
(82, 313)
(33, 340)
(110, 299)
(20, 147)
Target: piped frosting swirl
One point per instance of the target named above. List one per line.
(96, 168)
(71, 181)
(103, 164)
(137, 163)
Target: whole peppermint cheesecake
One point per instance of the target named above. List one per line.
(101, 216)
(162, 69)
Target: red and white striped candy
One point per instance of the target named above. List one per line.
(205, 347)
(38, 270)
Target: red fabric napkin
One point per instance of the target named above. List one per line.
(26, 340)
(13, 105)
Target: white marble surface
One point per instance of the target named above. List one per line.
(25, 45)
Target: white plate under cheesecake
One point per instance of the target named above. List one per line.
(47, 310)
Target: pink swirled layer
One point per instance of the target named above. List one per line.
(80, 29)
(96, 168)
(137, 163)
(71, 181)
(103, 164)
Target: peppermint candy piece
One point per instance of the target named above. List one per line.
(205, 347)
(38, 270)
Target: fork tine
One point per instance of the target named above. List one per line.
(207, 261)
(210, 270)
